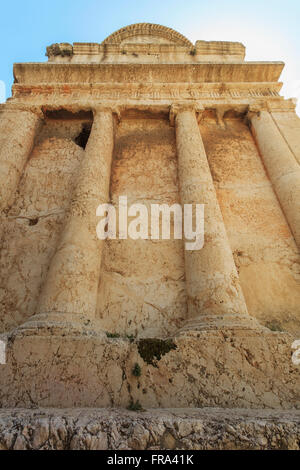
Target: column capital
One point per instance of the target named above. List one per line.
(281, 105)
(255, 110)
(113, 109)
(180, 107)
(20, 108)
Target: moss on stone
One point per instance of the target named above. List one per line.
(151, 350)
(113, 335)
(135, 406)
(274, 325)
(131, 338)
(137, 371)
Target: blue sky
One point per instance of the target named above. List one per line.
(269, 28)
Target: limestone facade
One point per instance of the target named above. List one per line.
(149, 115)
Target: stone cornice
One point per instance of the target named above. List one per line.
(203, 72)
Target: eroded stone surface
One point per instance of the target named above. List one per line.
(32, 227)
(140, 78)
(142, 283)
(240, 368)
(264, 249)
(194, 429)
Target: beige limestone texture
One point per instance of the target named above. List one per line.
(212, 282)
(61, 289)
(72, 281)
(282, 167)
(17, 132)
(263, 246)
(32, 226)
(289, 125)
(142, 282)
(226, 367)
(194, 429)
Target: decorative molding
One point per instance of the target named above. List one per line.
(147, 29)
(153, 91)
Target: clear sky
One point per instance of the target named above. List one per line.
(268, 28)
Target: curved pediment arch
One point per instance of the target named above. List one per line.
(149, 33)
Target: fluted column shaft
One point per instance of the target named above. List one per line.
(281, 166)
(17, 132)
(215, 298)
(72, 282)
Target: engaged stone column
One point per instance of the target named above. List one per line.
(281, 166)
(17, 132)
(288, 123)
(69, 295)
(215, 298)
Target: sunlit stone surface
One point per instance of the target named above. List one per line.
(148, 115)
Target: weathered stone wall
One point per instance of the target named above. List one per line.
(228, 368)
(142, 285)
(264, 249)
(32, 226)
(215, 355)
(194, 429)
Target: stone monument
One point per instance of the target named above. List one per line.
(119, 323)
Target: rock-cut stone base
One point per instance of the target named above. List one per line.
(229, 369)
(104, 429)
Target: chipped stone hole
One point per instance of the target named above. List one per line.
(33, 222)
(85, 116)
(83, 137)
